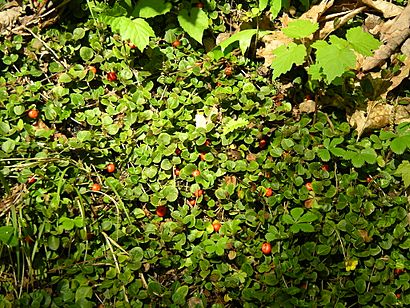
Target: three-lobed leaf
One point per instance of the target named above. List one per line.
(149, 8)
(286, 57)
(361, 41)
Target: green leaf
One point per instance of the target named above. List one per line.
(286, 56)
(8, 145)
(64, 78)
(306, 227)
(324, 154)
(164, 139)
(369, 155)
(360, 285)
(170, 193)
(275, 6)
(193, 22)
(404, 170)
(7, 236)
(263, 4)
(334, 58)
(86, 53)
(243, 37)
(308, 217)
(53, 242)
(180, 294)
(83, 292)
(323, 250)
(149, 8)
(138, 31)
(361, 41)
(234, 124)
(399, 144)
(296, 213)
(300, 28)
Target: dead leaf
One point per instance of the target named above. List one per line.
(365, 236)
(9, 16)
(396, 80)
(332, 25)
(372, 24)
(388, 9)
(307, 106)
(250, 157)
(405, 48)
(230, 179)
(316, 11)
(393, 33)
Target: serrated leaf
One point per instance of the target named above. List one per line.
(334, 58)
(296, 213)
(361, 41)
(369, 155)
(138, 31)
(404, 170)
(399, 144)
(286, 56)
(234, 124)
(300, 28)
(275, 6)
(315, 71)
(308, 217)
(193, 22)
(149, 8)
(243, 37)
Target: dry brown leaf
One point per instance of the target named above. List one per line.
(405, 48)
(332, 25)
(396, 80)
(365, 236)
(388, 9)
(378, 115)
(308, 106)
(372, 24)
(316, 11)
(9, 16)
(393, 33)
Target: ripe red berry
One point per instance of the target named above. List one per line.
(369, 179)
(196, 173)
(192, 202)
(33, 114)
(309, 186)
(325, 168)
(266, 248)
(110, 168)
(111, 76)
(177, 171)
(96, 187)
(262, 143)
(131, 45)
(31, 180)
(398, 271)
(202, 156)
(217, 226)
(161, 211)
(228, 71)
(268, 192)
(198, 193)
(176, 43)
(178, 151)
(208, 142)
(199, 5)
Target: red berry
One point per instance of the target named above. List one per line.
(96, 187)
(217, 226)
(178, 151)
(112, 76)
(398, 295)
(268, 192)
(266, 248)
(198, 193)
(199, 5)
(31, 180)
(262, 143)
(161, 211)
(196, 173)
(192, 202)
(202, 156)
(369, 179)
(176, 43)
(177, 171)
(325, 167)
(208, 142)
(398, 271)
(33, 114)
(228, 71)
(110, 168)
(131, 45)
(309, 186)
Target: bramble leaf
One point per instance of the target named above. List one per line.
(300, 28)
(243, 37)
(275, 6)
(404, 170)
(149, 8)
(361, 41)
(334, 58)
(193, 22)
(286, 56)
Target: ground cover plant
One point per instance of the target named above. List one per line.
(197, 154)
